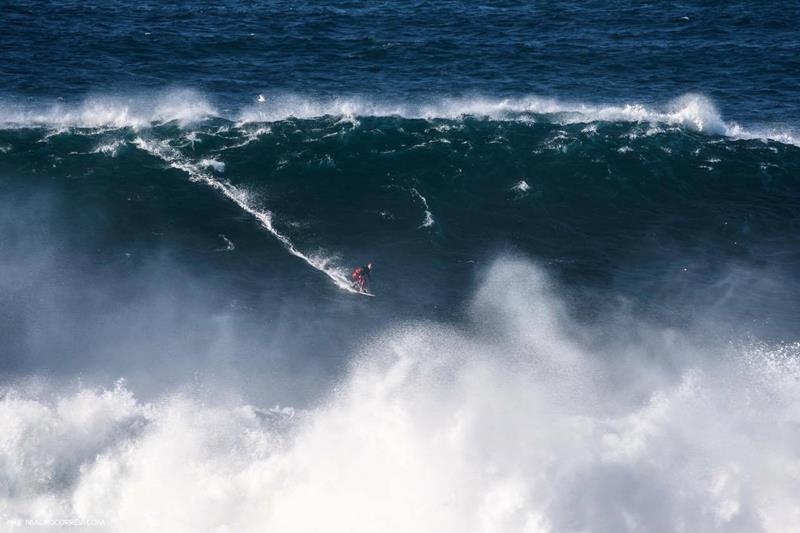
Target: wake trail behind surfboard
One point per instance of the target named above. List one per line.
(242, 198)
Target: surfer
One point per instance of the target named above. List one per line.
(360, 276)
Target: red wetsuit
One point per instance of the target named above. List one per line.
(360, 276)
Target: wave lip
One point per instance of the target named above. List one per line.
(183, 106)
(692, 111)
(186, 107)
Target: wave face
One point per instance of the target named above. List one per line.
(584, 225)
(603, 190)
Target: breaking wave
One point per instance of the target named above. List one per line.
(523, 422)
(692, 111)
(137, 111)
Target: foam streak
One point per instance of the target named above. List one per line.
(241, 198)
(428, 222)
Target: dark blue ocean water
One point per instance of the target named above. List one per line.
(743, 55)
(186, 186)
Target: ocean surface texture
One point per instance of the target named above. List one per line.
(585, 224)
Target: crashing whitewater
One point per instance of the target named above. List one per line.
(523, 419)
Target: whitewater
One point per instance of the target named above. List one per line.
(526, 423)
(186, 106)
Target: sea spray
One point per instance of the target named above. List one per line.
(514, 426)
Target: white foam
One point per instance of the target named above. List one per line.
(521, 186)
(98, 112)
(284, 106)
(781, 134)
(287, 106)
(217, 165)
(692, 111)
(243, 199)
(428, 220)
(108, 148)
(517, 428)
(250, 136)
(229, 246)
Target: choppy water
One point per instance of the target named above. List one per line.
(584, 220)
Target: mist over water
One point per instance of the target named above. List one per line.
(585, 225)
(522, 420)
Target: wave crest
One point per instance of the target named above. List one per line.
(183, 106)
(692, 111)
